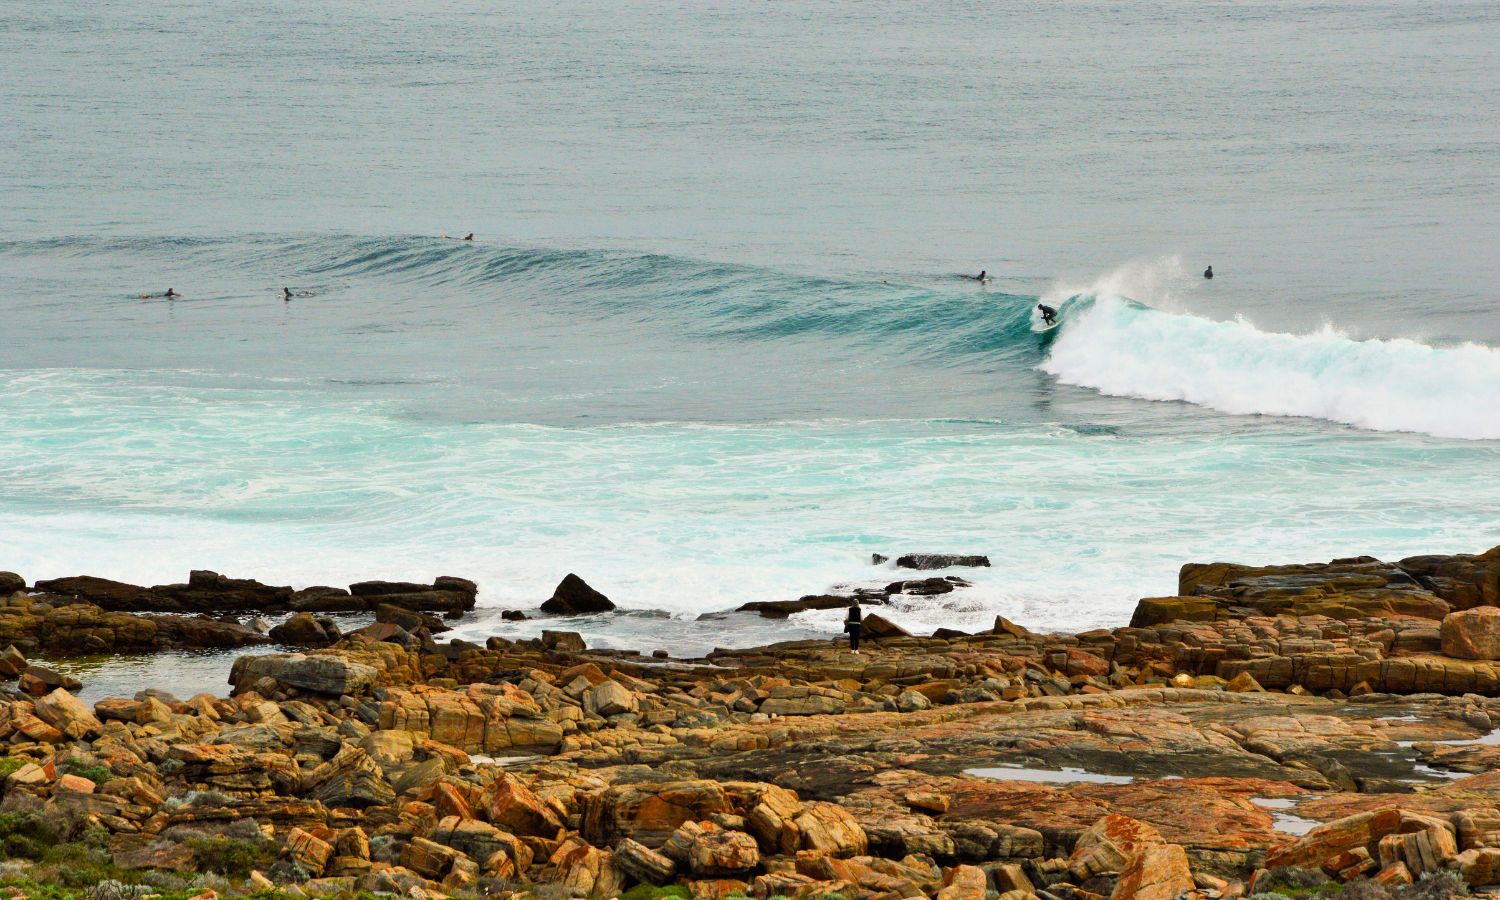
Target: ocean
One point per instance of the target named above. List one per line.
(712, 343)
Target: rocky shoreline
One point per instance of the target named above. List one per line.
(1305, 729)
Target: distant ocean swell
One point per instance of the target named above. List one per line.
(1112, 340)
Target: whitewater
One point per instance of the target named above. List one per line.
(1118, 345)
(690, 436)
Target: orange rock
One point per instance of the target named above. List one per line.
(1472, 633)
(1395, 873)
(722, 853)
(1333, 838)
(1155, 872)
(75, 783)
(510, 803)
(449, 802)
(312, 852)
(829, 828)
(963, 883)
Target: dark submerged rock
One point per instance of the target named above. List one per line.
(574, 597)
(941, 561)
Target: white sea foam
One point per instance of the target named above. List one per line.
(1120, 347)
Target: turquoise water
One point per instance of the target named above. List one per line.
(711, 345)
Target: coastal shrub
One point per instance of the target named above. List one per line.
(385, 848)
(25, 835)
(93, 772)
(10, 764)
(235, 857)
(82, 863)
(109, 889)
(1436, 886)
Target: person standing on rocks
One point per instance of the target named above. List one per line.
(854, 624)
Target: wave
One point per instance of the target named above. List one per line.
(941, 319)
(1108, 341)
(1120, 347)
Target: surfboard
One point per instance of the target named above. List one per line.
(1046, 328)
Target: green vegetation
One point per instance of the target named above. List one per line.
(24, 836)
(652, 892)
(10, 764)
(95, 773)
(233, 857)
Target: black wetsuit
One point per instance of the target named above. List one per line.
(855, 626)
(1049, 315)
(1208, 272)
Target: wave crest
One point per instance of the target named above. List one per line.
(1122, 348)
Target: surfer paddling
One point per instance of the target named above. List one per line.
(1049, 315)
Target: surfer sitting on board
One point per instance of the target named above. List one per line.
(1049, 315)
(983, 276)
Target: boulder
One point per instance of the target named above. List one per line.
(39, 680)
(68, 715)
(714, 853)
(512, 805)
(207, 591)
(1472, 633)
(308, 850)
(964, 883)
(1007, 627)
(1464, 580)
(646, 865)
(321, 598)
(306, 630)
(573, 597)
(409, 619)
(197, 632)
(878, 626)
(1161, 610)
(923, 587)
(1333, 838)
(1479, 865)
(10, 583)
(102, 592)
(829, 828)
(12, 662)
(563, 641)
(781, 609)
(1156, 872)
(609, 698)
(941, 561)
(321, 674)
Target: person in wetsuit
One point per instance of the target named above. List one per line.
(1049, 315)
(286, 293)
(1208, 272)
(855, 626)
